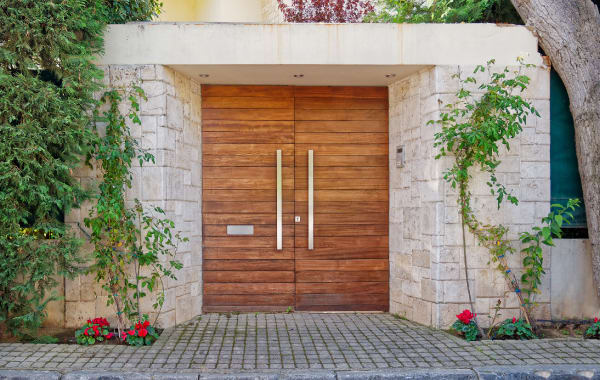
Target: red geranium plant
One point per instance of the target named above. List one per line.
(466, 325)
(140, 334)
(93, 331)
(336, 11)
(593, 332)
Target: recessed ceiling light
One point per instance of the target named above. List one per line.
(203, 75)
(390, 75)
(298, 75)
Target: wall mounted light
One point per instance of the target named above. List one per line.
(203, 75)
(390, 75)
(298, 75)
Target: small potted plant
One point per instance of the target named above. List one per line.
(140, 334)
(94, 331)
(593, 332)
(515, 329)
(465, 325)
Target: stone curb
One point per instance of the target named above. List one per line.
(541, 372)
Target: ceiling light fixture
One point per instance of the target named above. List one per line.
(390, 75)
(298, 75)
(203, 75)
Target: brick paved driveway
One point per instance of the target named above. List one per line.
(300, 341)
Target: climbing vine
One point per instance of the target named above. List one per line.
(474, 127)
(134, 248)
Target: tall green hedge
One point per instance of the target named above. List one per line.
(47, 86)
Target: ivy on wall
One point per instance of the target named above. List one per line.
(47, 86)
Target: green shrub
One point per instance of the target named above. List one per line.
(514, 329)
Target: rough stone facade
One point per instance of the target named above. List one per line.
(427, 276)
(171, 120)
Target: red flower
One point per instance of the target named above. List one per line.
(143, 332)
(85, 332)
(123, 335)
(109, 335)
(138, 326)
(514, 320)
(131, 332)
(466, 316)
(596, 320)
(146, 323)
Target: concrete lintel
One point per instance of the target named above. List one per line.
(246, 48)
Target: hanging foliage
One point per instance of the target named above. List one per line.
(334, 11)
(47, 83)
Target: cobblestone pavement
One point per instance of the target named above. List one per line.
(299, 341)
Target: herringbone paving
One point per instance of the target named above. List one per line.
(344, 341)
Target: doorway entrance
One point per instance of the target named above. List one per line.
(295, 198)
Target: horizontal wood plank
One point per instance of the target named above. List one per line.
(342, 265)
(259, 230)
(257, 126)
(251, 114)
(248, 195)
(301, 160)
(342, 253)
(321, 115)
(342, 288)
(221, 253)
(347, 230)
(246, 207)
(344, 242)
(341, 172)
(249, 276)
(343, 184)
(257, 183)
(343, 195)
(246, 173)
(242, 137)
(246, 241)
(249, 300)
(247, 102)
(344, 149)
(341, 126)
(249, 149)
(340, 299)
(332, 103)
(248, 265)
(288, 219)
(245, 288)
(344, 207)
(340, 92)
(225, 160)
(247, 90)
(341, 138)
(342, 277)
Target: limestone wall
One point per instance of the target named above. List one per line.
(171, 130)
(427, 279)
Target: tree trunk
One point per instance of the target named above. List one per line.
(569, 33)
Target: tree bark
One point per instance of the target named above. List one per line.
(569, 33)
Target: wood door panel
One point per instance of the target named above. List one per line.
(347, 128)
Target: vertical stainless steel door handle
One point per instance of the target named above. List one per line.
(311, 216)
(279, 204)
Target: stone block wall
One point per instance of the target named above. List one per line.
(171, 130)
(427, 276)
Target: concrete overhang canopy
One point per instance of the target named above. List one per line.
(313, 54)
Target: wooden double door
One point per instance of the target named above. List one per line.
(347, 267)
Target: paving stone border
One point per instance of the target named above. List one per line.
(553, 372)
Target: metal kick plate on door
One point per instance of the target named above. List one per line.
(240, 230)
